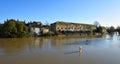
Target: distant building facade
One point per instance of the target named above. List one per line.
(67, 26)
(61, 27)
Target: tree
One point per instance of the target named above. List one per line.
(118, 29)
(14, 29)
(47, 23)
(1, 25)
(22, 29)
(9, 28)
(98, 29)
(96, 23)
(111, 29)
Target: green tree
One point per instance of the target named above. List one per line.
(22, 29)
(9, 29)
(14, 29)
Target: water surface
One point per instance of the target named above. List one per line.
(104, 50)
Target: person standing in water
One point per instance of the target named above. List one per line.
(80, 50)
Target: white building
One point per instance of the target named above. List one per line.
(35, 28)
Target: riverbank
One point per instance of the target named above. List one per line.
(73, 36)
(62, 36)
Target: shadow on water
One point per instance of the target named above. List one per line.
(80, 51)
(72, 52)
(84, 42)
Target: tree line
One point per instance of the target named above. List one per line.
(112, 29)
(13, 29)
(17, 29)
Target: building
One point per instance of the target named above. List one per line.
(45, 29)
(72, 27)
(34, 28)
(104, 31)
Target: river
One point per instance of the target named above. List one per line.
(63, 50)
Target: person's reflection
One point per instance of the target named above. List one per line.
(80, 50)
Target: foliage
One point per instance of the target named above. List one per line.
(14, 29)
(0, 30)
(111, 29)
(98, 29)
(118, 30)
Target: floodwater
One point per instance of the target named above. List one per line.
(104, 50)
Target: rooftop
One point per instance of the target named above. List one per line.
(62, 22)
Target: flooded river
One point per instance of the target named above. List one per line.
(104, 50)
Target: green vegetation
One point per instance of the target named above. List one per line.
(17, 29)
(14, 29)
(112, 29)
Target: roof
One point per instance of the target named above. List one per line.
(61, 22)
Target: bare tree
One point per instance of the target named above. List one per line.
(47, 23)
(96, 23)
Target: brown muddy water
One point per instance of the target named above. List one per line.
(60, 50)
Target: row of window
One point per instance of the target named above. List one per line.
(73, 28)
(70, 28)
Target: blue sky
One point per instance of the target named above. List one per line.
(106, 12)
